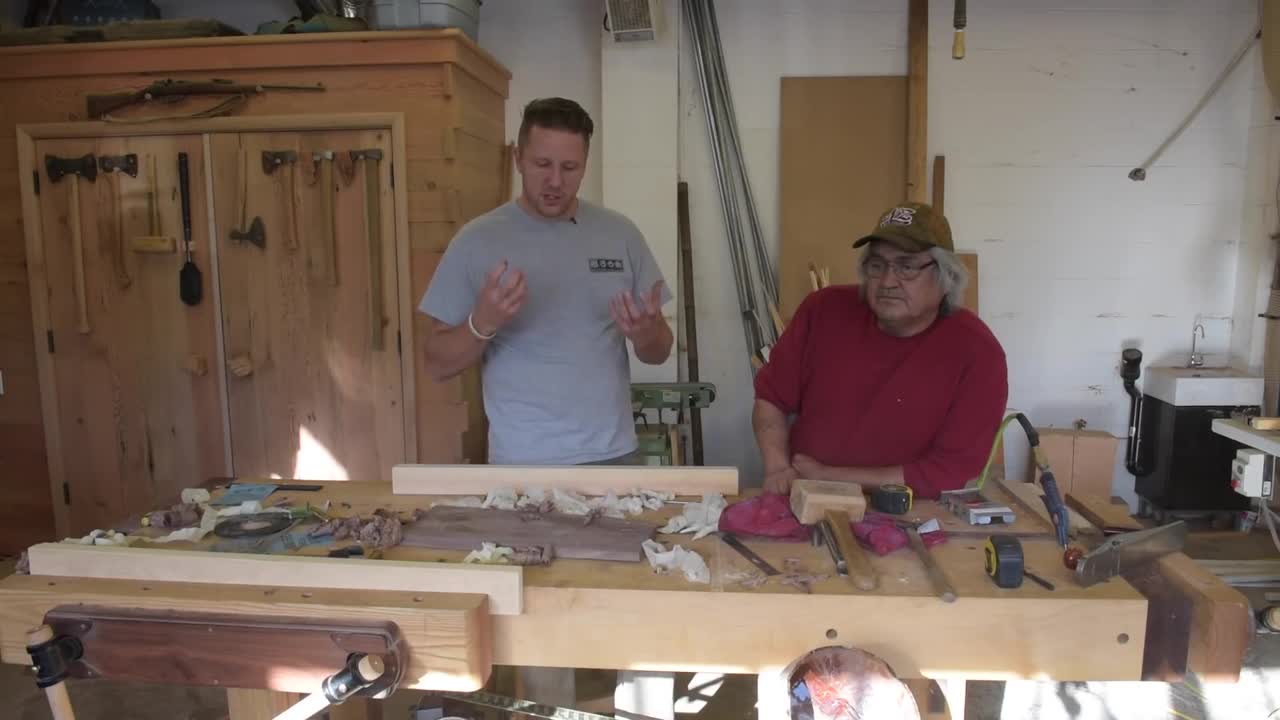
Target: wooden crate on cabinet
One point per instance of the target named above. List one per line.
(452, 95)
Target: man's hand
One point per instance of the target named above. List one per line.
(499, 300)
(779, 481)
(808, 468)
(639, 319)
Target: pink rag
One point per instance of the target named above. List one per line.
(766, 515)
(882, 535)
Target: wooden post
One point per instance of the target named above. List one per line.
(917, 100)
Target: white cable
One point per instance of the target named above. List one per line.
(1140, 172)
(1270, 517)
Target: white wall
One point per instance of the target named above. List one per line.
(552, 48)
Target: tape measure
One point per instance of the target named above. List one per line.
(1004, 560)
(892, 499)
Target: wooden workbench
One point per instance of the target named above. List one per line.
(593, 614)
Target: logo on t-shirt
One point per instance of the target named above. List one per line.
(604, 264)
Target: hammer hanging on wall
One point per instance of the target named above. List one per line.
(189, 280)
(373, 231)
(85, 166)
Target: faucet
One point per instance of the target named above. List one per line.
(1197, 359)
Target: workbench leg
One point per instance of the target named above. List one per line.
(245, 704)
(548, 686)
(357, 708)
(652, 694)
(773, 694)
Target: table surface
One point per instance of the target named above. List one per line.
(643, 620)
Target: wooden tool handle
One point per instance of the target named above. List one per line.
(330, 223)
(59, 701)
(373, 231)
(77, 260)
(957, 45)
(861, 573)
(939, 579)
(118, 250)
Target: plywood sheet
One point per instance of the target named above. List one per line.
(569, 536)
(840, 166)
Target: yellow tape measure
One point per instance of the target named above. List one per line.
(892, 499)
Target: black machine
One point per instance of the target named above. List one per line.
(1181, 465)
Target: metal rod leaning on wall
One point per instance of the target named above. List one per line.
(767, 278)
(746, 304)
(1140, 172)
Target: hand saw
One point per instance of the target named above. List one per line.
(1120, 554)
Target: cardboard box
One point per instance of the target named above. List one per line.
(1083, 461)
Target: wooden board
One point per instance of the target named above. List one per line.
(587, 479)
(447, 633)
(1102, 513)
(320, 402)
(459, 528)
(502, 585)
(840, 167)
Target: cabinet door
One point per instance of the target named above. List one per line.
(137, 415)
(310, 314)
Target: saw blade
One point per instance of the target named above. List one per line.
(1120, 554)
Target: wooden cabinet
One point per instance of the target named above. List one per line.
(290, 363)
(287, 361)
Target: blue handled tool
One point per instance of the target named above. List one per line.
(1052, 498)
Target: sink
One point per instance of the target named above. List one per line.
(1184, 386)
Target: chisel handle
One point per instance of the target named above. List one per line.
(184, 187)
(861, 573)
(939, 579)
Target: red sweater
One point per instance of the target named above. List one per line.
(930, 403)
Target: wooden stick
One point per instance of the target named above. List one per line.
(861, 573)
(77, 250)
(939, 182)
(917, 99)
(587, 479)
(59, 701)
(936, 576)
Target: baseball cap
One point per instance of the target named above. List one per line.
(912, 227)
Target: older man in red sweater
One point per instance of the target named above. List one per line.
(889, 381)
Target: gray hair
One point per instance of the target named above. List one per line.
(953, 277)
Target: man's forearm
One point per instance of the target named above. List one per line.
(657, 348)
(452, 349)
(772, 435)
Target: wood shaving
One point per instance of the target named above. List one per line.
(750, 579)
(804, 582)
(381, 531)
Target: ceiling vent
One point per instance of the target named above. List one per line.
(634, 20)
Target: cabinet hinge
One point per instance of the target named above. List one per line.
(66, 493)
(399, 349)
(35, 180)
(48, 336)
(393, 174)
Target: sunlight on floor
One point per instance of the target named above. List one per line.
(314, 461)
(702, 687)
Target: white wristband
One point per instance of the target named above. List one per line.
(479, 335)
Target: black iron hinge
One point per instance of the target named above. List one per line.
(35, 180)
(66, 493)
(393, 174)
(399, 344)
(48, 335)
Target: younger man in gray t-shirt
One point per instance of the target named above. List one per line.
(545, 290)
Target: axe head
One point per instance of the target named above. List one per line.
(85, 166)
(370, 154)
(272, 159)
(122, 163)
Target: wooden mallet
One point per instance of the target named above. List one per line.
(838, 505)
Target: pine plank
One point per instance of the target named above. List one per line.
(593, 480)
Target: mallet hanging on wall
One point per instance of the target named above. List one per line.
(189, 280)
(85, 166)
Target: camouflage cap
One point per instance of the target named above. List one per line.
(912, 227)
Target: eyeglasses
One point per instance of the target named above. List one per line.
(876, 267)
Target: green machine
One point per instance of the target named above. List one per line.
(664, 413)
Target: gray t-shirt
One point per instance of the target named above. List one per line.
(557, 377)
